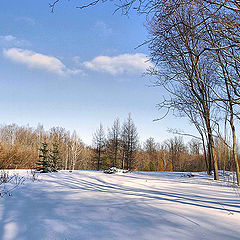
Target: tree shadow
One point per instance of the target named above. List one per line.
(83, 205)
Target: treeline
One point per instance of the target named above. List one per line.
(119, 146)
(20, 147)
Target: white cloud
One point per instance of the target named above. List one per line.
(117, 65)
(27, 20)
(38, 60)
(10, 40)
(125, 63)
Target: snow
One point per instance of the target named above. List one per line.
(85, 205)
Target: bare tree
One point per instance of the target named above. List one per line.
(129, 143)
(175, 148)
(99, 143)
(76, 149)
(221, 21)
(150, 148)
(186, 71)
(113, 142)
(194, 146)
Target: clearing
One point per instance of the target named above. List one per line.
(85, 205)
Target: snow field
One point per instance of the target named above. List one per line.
(90, 205)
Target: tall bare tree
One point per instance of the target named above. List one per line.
(113, 142)
(129, 143)
(186, 71)
(99, 143)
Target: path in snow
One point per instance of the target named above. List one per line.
(85, 205)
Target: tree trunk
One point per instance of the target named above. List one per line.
(206, 159)
(99, 159)
(235, 157)
(208, 166)
(212, 155)
(215, 161)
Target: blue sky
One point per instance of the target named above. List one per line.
(76, 68)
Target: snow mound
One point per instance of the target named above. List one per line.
(115, 170)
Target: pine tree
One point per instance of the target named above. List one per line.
(55, 158)
(43, 164)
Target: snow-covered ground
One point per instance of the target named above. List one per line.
(85, 205)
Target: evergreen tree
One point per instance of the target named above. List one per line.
(55, 157)
(43, 164)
